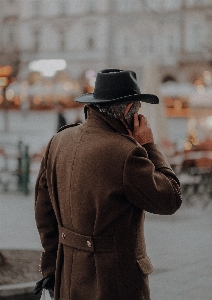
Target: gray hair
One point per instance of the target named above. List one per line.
(114, 109)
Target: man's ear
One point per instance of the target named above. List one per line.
(127, 109)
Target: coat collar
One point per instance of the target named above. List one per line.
(100, 120)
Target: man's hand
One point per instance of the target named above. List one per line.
(45, 283)
(142, 132)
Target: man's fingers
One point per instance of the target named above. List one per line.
(143, 120)
(136, 120)
(142, 130)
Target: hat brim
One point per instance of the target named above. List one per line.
(89, 98)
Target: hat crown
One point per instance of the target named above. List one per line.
(114, 83)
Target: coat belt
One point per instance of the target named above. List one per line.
(85, 242)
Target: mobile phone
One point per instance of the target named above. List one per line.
(129, 118)
(130, 121)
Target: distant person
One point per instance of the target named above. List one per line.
(61, 120)
(25, 107)
(95, 183)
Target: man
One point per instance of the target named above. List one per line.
(61, 120)
(95, 183)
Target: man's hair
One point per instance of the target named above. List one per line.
(114, 109)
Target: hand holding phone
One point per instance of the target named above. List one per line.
(129, 118)
(142, 131)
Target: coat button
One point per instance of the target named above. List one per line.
(63, 235)
(89, 244)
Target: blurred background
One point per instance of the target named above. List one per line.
(50, 52)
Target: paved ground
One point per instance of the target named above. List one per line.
(180, 246)
(180, 249)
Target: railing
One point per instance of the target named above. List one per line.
(196, 187)
(14, 167)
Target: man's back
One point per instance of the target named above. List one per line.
(89, 166)
(100, 181)
(85, 174)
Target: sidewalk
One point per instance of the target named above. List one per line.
(180, 249)
(179, 246)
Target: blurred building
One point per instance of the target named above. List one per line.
(91, 34)
(55, 47)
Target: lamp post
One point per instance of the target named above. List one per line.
(5, 72)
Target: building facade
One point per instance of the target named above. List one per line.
(91, 34)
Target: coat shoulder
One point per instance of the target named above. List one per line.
(129, 138)
(118, 144)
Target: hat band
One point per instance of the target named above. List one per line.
(114, 94)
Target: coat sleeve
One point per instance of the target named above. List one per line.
(46, 222)
(150, 182)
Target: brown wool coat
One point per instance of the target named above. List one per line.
(94, 184)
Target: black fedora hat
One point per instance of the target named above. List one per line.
(116, 85)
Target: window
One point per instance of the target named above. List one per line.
(170, 42)
(63, 7)
(126, 44)
(196, 37)
(62, 40)
(90, 43)
(11, 33)
(91, 29)
(147, 46)
(125, 5)
(36, 35)
(36, 7)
